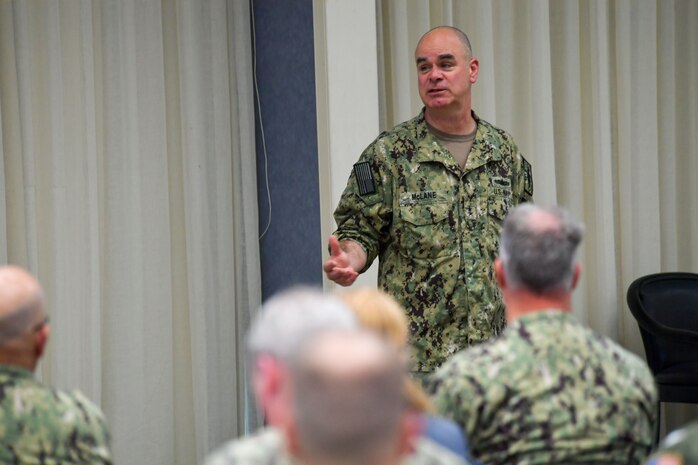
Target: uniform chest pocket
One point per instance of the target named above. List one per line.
(498, 207)
(426, 231)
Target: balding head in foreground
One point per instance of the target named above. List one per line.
(348, 401)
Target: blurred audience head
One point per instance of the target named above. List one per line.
(24, 328)
(283, 323)
(348, 407)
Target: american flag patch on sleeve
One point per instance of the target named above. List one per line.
(364, 178)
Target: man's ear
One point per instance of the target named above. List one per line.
(266, 378)
(474, 66)
(411, 429)
(499, 273)
(272, 388)
(41, 339)
(576, 274)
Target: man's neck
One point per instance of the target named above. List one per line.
(522, 303)
(22, 361)
(458, 121)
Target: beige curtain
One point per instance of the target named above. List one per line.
(127, 185)
(602, 98)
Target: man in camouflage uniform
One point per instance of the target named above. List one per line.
(680, 447)
(278, 335)
(428, 198)
(39, 424)
(547, 390)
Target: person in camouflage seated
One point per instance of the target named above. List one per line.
(39, 424)
(680, 447)
(428, 198)
(548, 390)
(285, 323)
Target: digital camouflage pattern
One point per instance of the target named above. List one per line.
(679, 448)
(40, 425)
(435, 230)
(266, 447)
(549, 391)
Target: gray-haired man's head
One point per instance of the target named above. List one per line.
(290, 317)
(537, 248)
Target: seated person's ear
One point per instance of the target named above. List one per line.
(41, 339)
(266, 377)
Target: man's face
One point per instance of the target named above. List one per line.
(445, 72)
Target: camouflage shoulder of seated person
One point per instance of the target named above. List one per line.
(42, 422)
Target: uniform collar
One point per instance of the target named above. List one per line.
(15, 371)
(550, 315)
(429, 149)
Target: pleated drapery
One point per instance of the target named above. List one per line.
(129, 188)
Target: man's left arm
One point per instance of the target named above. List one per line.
(522, 174)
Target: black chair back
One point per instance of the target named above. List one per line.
(665, 306)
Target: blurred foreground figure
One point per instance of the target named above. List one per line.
(548, 390)
(38, 424)
(378, 311)
(348, 402)
(680, 447)
(279, 339)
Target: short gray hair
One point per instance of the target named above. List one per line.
(290, 317)
(538, 247)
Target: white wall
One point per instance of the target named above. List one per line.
(346, 64)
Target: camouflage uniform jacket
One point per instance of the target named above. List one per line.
(266, 447)
(549, 391)
(680, 447)
(44, 425)
(435, 229)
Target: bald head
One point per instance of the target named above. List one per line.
(449, 30)
(21, 309)
(348, 398)
(361, 353)
(18, 289)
